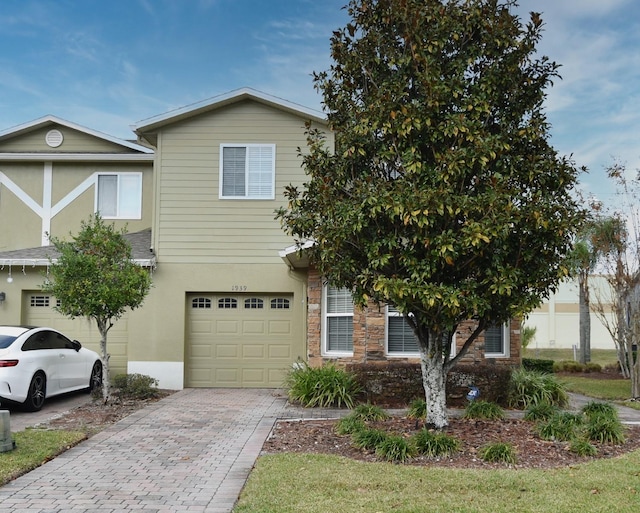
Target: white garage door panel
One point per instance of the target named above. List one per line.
(250, 340)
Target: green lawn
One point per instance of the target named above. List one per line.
(33, 448)
(303, 483)
(603, 357)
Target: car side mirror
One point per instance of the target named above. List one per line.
(76, 345)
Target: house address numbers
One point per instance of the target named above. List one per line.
(239, 288)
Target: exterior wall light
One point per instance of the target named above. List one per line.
(3, 296)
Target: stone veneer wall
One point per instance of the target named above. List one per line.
(369, 335)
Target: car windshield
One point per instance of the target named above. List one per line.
(6, 340)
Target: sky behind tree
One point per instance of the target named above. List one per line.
(109, 64)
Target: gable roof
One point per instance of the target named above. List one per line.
(131, 150)
(140, 243)
(147, 128)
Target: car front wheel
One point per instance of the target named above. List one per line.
(95, 381)
(37, 392)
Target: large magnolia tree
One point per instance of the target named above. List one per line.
(443, 195)
(95, 277)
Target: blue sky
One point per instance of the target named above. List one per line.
(107, 64)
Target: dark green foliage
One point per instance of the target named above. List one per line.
(483, 410)
(136, 386)
(435, 444)
(367, 412)
(442, 194)
(596, 408)
(541, 411)
(537, 365)
(582, 448)
(417, 409)
(349, 425)
(368, 438)
(394, 448)
(562, 426)
(321, 386)
(529, 388)
(605, 429)
(498, 453)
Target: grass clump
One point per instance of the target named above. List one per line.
(394, 448)
(595, 408)
(583, 448)
(562, 426)
(369, 412)
(498, 453)
(417, 409)
(368, 439)
(435, 444)
(321, 386)
(483, 410)
(541, 411)
(528, 388)
(605, 429)
(349, 425)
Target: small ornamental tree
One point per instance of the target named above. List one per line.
(95, 277)
(442, 195)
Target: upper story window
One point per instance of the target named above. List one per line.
(496, 341)
(401, 341)
(337, 332)
(119, 196)
(247, 171)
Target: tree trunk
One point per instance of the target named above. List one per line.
(103, 328)
(434, 379)
(585, 319)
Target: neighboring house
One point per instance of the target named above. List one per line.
(233, 304)
(557, 320)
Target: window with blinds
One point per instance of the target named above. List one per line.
(338, 320)
(400, 337)
(247, 171)
(496, 341)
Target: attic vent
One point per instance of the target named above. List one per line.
(54, 138)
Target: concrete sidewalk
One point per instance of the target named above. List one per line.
(190, 452)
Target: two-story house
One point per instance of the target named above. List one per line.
(233, 304)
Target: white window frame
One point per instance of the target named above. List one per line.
(133, 213)
(393, 312)
(248, 172)
(506, 344)
(325, 327)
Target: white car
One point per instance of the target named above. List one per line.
(36, 363)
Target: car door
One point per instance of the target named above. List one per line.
(71, 372)
(39, 354)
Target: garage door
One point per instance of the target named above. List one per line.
(38, 310)
(239, 340)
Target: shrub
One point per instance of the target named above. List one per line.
(394, 448)
(538, 365)
(483, 410)
(417, 409)
(605, 429)
(321, 386)
(541, 411)
(435, 444)
(349, 425)
(136, 386)
(582, 448)
(527, 334)
(369, 412)
(568, 366)
(498, 453)
(593, 367)
(368, 438)
(528, 388)
(596, 408)
(562, 426)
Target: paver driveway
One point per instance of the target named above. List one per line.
(190, 452)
